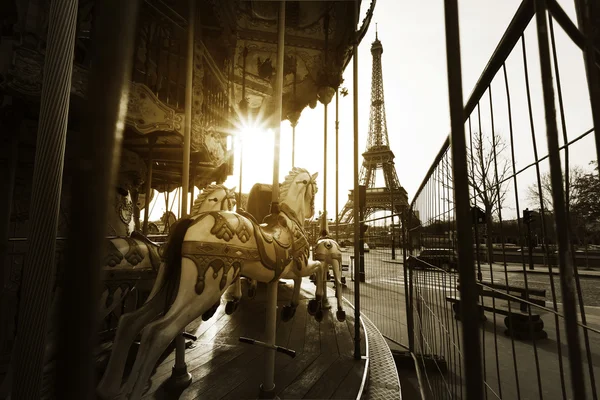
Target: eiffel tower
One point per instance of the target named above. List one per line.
(378, 154)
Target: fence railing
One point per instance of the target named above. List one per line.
(534, 224)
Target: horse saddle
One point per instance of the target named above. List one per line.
(274, 240)
(327, 249)
(155, 250)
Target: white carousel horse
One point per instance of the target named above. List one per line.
(207, 254)
(138, 252)
(329, 253)
(168, 219)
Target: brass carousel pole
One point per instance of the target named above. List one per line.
(267, 389)
(187, 133)
(180, 377)
(294, 143)
(294, 114)
(151, 141)
(356, 197)
(244, 109)
(337, 154)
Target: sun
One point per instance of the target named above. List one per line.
(253, 154)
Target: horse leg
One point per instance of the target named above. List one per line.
(236, 295)
(325, 272)
(129, 326)
(315, 305)
(320, 290)
(288, 311)
(156, 336)
(337, 272)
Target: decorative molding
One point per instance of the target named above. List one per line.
(147, 114)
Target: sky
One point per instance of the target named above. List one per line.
(416, 99)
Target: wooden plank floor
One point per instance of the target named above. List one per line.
(224, 368)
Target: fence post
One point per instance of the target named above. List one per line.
(407, 283)
(566, 270)
(468, 286)
(585, 15)
(356, 199)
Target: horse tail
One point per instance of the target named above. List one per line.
(172, 257)
(324, 225)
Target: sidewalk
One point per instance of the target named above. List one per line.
(543, 270)
(516, 268)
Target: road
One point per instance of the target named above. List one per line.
(511, 367)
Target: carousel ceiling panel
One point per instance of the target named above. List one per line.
(318, 43)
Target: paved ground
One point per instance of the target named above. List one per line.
(511, 367)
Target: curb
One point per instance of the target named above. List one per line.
(582, 274)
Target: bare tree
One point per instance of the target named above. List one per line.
(583, 201)
(489, 169)
(533, 193)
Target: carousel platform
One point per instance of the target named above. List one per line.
(224, 368)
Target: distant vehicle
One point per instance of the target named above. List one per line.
(366, 248)
(446, 259)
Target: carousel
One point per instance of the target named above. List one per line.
(211, 301)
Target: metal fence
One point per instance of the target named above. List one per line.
(531, 224)
(382, 298)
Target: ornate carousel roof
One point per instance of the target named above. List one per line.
(235, 48)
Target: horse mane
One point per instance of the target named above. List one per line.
(289, 179)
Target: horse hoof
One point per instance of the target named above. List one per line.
(313, 306)
(287, 313)
(341, 315)
(230, 307)
(251, 293)
(319, 315)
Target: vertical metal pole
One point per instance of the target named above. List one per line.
(468, 288)
(151, 141)
(565, 258)
(587, 22)
(38, 278)
(187, 133)
(407, 282)
(278, 105)
(529, 237)
(267, 389)
(325, 162)
(180, 377)
(294, 144)
(356, 197)
(337, 156)
(244, 107)
(193, 185)
(98, 158)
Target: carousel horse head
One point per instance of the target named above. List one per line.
(298, 192)
(214, 198)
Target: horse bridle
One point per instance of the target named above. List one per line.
(223, 202)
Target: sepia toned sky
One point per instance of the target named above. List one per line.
(416, 100)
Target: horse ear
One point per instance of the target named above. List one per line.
(314, 176)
